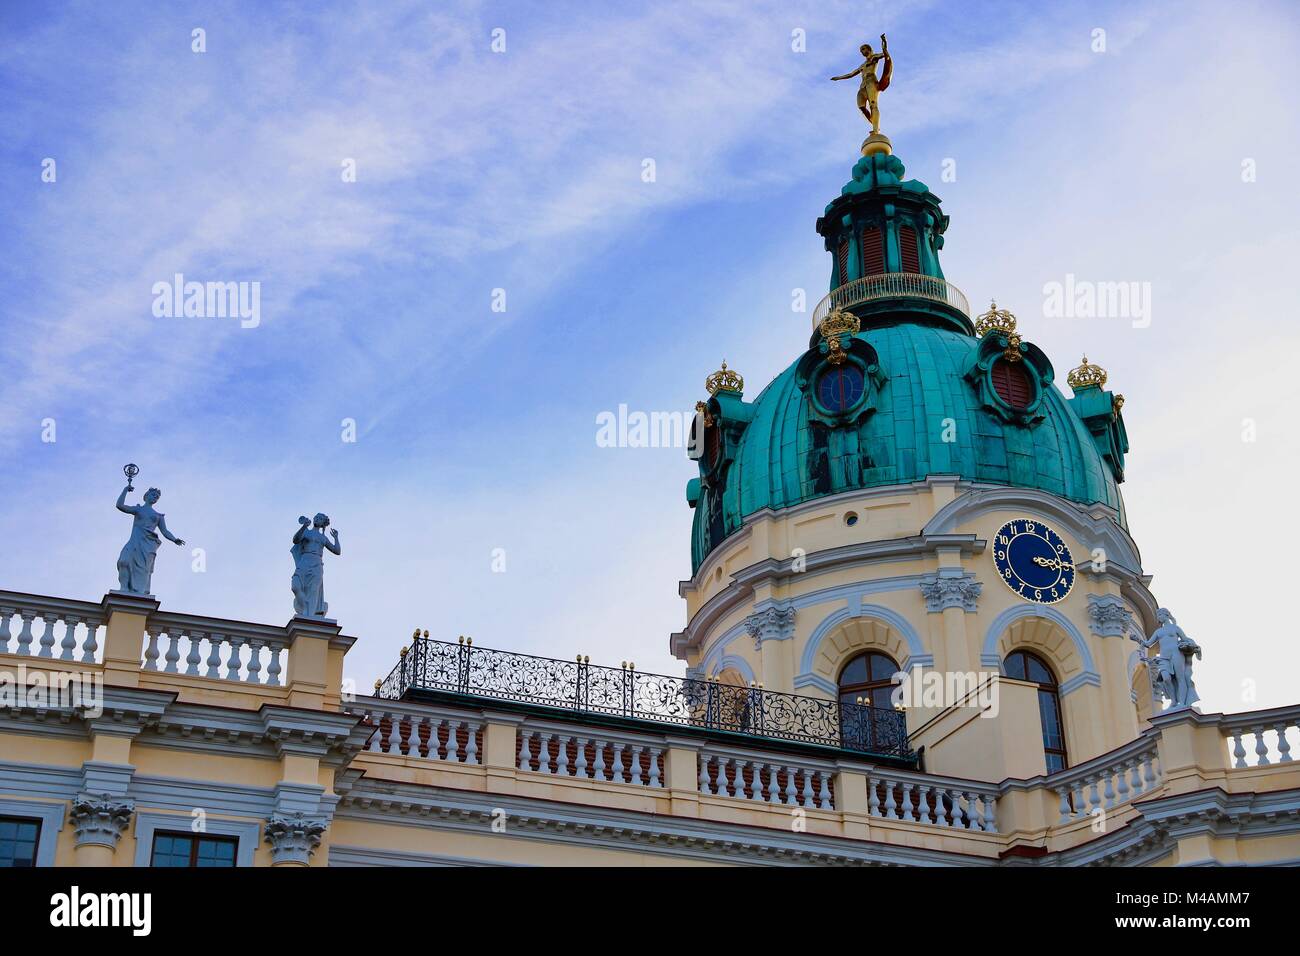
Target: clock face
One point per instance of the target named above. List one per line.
(1033, 561)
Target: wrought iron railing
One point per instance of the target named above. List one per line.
(439, 666)
(891, 285)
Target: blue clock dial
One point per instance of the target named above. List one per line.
(1033, 561)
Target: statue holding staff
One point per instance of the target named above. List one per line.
(135, 563)
(309, 546)
(871, 85)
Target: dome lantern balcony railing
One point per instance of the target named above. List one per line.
(436, 669)
(891, 285)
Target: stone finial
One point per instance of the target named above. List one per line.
(294, 837)
(943, 591)
(99, 818)
(774, 623)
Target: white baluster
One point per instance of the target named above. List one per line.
(952, 812)
(974, 818)
(92, 643)
(471, 743)
(1063, 793)
(525, 754)
(990, 821)
(1109, 791)
(1121, 779)
(1135, 776)
(232, 662)
(1238, 749)
(214, 656)
(6, 615)
(618, 762)
(772, 794)
(254, 661)
(923, 804)
(173, 651)
(562, 766)
(600, 760)
(580, 757)
(891, 808)
(807, 789)
(273, 670)
(69, 644)
(635, 764)
(192, 659)
(905, 811)
(151, 652)
(654, 766)
(25, 635)
(704, 773)
(873, 801)
(824, 798)
(543, 752)
(1261, 748)
(790, 797)
(47, 635)
(1094, 800)
(1284, 748)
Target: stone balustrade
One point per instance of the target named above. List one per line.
(1109, 781)
(768, 778)
(1259, 739)
(929, 799)
(562, 751)
(421, 732)
(215, 649)
(32, 625)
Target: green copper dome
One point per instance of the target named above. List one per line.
(894, 387)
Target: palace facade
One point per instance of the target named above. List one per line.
(918, 633)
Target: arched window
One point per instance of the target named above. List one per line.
(1022, 665)
(868, 679)
(866, 683)
(873, 251)
(909, 254)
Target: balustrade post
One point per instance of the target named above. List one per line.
(316, 651)
(126, 616)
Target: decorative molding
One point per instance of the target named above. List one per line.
(916, 653)
(294, 837)
(943, 591)
(989, 656)
(774, 623)
(1108, 616)
(100, 819)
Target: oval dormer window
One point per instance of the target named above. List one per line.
(1012, 383)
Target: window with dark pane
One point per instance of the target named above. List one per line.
(909, 253)
(712, 444)
(18, 839)
(1012, 383)
(873, 251)
(1025, 666)
(840, 387)
(193, 850)
(866, 684)
(842, 260)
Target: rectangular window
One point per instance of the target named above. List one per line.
(18, 839)
(842, 260)
(873, 251)
(909, 252)
(193, 850)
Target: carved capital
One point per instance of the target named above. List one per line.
(774, 623)
(294, 837)
(943, 591)
(1108, 616)
(99, 818)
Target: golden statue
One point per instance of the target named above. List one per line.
(872, 86)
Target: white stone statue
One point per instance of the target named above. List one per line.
(308, 551)
(135, 563)
(1171, 668)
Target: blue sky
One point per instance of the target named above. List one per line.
(522, 171)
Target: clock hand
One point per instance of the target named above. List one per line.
(1056, 564)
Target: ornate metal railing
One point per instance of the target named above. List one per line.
(439, 666)
(891, 285)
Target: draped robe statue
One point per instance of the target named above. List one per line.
(135, 563)
(309, 546)
(1171, 668)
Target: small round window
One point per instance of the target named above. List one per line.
(840, 387)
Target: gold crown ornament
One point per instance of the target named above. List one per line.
(995, 319)
(1085, 375)
(835, 325)
(702, 409)
(724, 380)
